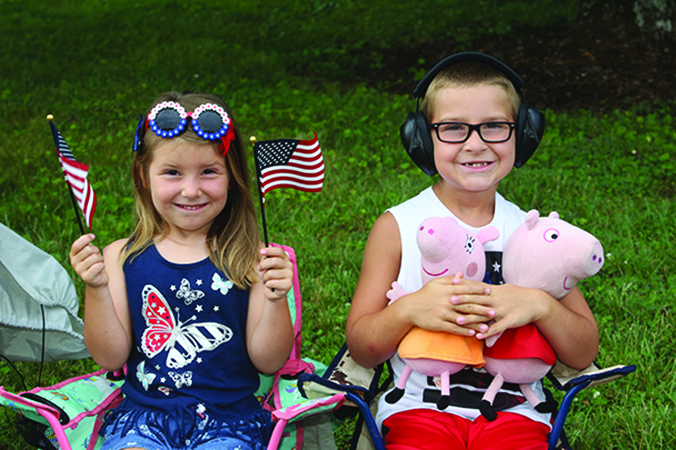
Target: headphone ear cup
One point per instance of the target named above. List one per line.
(417, 141)
(530, 127)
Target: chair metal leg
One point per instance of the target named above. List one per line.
(563, 412)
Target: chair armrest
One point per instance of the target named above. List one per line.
(564, 377)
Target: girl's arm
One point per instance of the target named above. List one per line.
(107, 325)
(269, 326)
(374, 329)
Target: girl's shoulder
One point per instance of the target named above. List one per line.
(114, 249)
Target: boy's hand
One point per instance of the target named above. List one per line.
(514, 307)
(276, 272)
(439, 310)
(88, 262)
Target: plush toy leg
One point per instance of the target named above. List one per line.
(445, 398)
(548, 406)
(486, 405)
(398, 392)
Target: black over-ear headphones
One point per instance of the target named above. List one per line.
(415, 132)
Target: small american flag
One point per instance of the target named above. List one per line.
(76, 176)
(290, 163)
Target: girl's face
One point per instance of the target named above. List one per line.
(474, 165)
(188, 184)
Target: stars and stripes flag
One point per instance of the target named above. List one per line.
(289, 163)
(75, 173)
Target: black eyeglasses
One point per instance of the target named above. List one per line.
(459, 132)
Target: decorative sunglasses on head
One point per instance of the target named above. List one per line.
(169, 119)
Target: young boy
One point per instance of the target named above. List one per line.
(476, 127)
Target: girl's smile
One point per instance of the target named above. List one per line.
(188, 184)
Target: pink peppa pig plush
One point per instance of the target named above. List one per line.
(446, 248)
(548, 254)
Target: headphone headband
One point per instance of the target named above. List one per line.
(421, 89)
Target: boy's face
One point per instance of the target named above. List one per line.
(474, 165)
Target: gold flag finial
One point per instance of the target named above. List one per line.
(253, 140)
(50, 117)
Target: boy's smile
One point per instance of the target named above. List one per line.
(474, 165)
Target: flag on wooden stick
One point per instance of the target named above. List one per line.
(287, 163)
(290, 163)
(75, 173)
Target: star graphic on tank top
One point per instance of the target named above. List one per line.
(172, 288)
(216, 308)
(198, 282)
(198, 308)
(163, 380)
(496, 267)
(199, 360)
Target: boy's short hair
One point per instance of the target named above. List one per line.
(466, 74)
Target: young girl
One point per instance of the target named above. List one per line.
(191, 302)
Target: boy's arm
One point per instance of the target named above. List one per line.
(374, 329)
(571, 329)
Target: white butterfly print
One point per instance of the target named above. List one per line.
(182, 342)
(220, 284)
(188, 295)
(146, 378)
(181, 379)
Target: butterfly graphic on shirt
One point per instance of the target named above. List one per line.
(181, 379)
(188, 295)
(220, 284)
(181, 341)
(144, 377)
(165, 390)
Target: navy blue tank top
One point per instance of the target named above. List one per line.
(189, 349)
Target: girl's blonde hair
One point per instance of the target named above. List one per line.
(232, 240)
(467, 74)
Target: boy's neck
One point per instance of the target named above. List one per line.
(476, 209)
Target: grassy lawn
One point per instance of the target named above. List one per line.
(282, 67)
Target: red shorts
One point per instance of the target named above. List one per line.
(427, 429)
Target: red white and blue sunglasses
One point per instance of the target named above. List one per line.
(169, 119)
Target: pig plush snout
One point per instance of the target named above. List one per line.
(584, 264)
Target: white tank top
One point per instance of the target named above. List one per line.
(422, 392)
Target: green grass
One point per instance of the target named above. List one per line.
(288, 68)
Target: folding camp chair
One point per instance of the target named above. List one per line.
(362, 387)
(68, 415)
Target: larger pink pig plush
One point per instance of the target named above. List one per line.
(446, 248)
(548, 254)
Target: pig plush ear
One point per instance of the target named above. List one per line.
(488, 234)
(531, 218)
(553, 215)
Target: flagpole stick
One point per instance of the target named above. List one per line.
(261, 198)
(50, 118)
